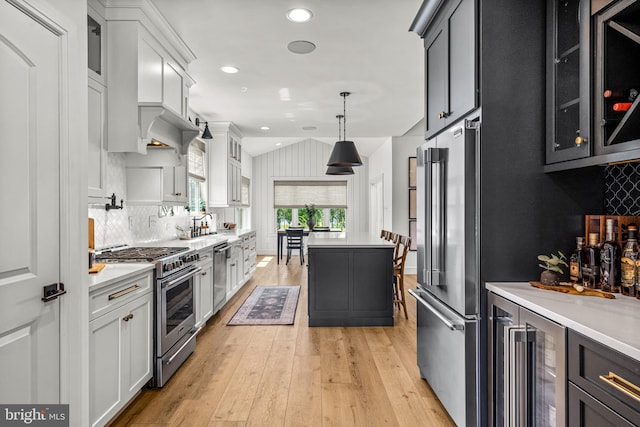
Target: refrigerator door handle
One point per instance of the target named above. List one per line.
(451, 325)
(435, 212)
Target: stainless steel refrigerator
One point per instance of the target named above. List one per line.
(448, 292)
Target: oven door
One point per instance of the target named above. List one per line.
(175, 308)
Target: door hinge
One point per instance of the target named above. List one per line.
(53, 291)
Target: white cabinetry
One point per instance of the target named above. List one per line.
(249, 254)
(159, 177)
(235, 269)
(120, 345)
(204, 288)
(97, 149)
(147, 79)
(96, 108)
(225, 169)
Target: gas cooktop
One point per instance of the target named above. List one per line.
(138, 254)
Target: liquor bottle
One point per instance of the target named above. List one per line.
(628, 94)
(591, 262)
(622, 106)
(575, 262)
(610, 261)
(628, 271)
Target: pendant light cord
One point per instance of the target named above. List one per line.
(344, 117)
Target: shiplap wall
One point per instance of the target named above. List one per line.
(304, 160)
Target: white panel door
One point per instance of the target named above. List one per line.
(30, 117)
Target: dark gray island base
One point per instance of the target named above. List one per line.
(350, 280)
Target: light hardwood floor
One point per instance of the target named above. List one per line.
(294, 375)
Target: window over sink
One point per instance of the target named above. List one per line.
(197, 177)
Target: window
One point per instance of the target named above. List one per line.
(197, 177)
(330, 197)
(245, 197)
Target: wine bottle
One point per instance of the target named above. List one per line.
(622, 106)
(628, 94)
(591, 262)
(575, 262)
(610, 261)
(628, 270)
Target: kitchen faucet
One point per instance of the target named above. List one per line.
(195, 231)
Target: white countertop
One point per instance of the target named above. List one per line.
(612, 322)
(116, 272)
(342, 239)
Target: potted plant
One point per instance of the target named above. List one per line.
(552, 268)
(311, 215)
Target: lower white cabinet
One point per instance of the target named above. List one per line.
(249, 254)
(235, 269)
(204, 289)
(121, 348)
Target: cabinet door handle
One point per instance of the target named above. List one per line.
(178, 194)
(123, 292)
(623, 385)
(204, 273)
(580, 140)
(443, 115)
(128, 317)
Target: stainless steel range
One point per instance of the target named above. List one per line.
(174, 325)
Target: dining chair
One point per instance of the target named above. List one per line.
(295, 240)
(403, 243)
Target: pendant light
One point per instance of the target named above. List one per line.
(344, 152)
(339, 170)
(206, 133)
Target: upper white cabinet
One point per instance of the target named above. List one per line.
(97, 152)
(147, 78)
(96, 107)
(157, 178)
(225, 170)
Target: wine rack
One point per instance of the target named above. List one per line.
(618, 58)
(597, 224)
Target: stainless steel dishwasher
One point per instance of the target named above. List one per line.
(220, 255)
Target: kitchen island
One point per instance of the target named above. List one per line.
(350, 280)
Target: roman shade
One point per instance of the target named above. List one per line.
(297, 194)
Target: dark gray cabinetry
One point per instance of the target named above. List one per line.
(618, 53)
(350, 286)
(568, 80)
(604, 384)
(450, 65)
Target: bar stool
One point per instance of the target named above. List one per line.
(385, 234)
(403, 243)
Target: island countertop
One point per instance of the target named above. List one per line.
(608, 321)
(342, 239)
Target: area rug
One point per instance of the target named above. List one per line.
(268, 305)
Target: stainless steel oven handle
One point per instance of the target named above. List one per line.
(173, 282)
(442, 317)
(171, 359)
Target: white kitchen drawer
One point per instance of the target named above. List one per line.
(116, 295)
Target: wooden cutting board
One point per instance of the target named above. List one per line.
(92, 244)
(97, 268)
(569, 289)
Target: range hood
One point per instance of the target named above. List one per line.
(159, 123)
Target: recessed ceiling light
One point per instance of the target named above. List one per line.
(301, 47)
(229, 69)
(309, 128)
(278, 144)
(265, 128)
(299, 15)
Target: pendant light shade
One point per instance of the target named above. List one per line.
(206, 133)
(344, 152)
(339, 170)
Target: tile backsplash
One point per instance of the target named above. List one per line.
(622, 189)
(132, 225)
